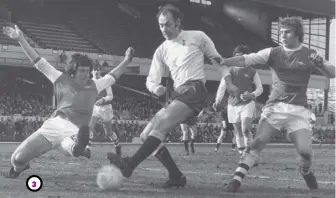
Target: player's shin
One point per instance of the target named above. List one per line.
(167, 161)
(246, 162)
(186, 146)
(240, 144)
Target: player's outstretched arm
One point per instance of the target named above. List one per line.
(246, 60)
(111, 77)
(16, 34)
(41, 64)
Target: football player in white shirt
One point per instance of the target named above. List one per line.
(183, 54)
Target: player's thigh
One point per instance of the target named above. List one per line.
(167, 120)
(34, 146)
(265, 133)
(233, 114)
(302, 140)
(175, 113)
(149, 127)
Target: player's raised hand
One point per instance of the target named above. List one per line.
(129, 54)
(316, 59)
(13, 32)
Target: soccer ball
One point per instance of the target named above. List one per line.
(109, 177)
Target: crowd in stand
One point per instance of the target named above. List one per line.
(21, 115)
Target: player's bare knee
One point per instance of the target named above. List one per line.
(305, 153)
(18, 158)
(143, 136)
(161, 123)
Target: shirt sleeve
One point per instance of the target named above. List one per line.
(153, 80)
(48, 70)
(109, 96)
(208, 47)
(258, 84)
(104, 82)
(221, 91)
(260, 57)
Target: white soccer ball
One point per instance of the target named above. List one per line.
(109, 177)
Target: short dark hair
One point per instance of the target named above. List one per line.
(241, 49)
(79, 60)
(175, 11)
(295, 23)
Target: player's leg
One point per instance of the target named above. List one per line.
(34, 146)
(238, 134)
(303, 143)
(300, 133)
(188, 101)
(49, 136)
(93, 122)
(265, 134)
(163, 155)
(233, 145)
(112, 136)
(234, 118)
(220, 138)
(163, 122)
(193, 131)
(246, 116)
(185, 137)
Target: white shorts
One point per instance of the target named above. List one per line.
(290, 117)
(237, 113)
(104, 113)
(56, 129)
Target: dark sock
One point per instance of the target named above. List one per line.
(145, 150)
(217, 145)
(166, 159)
(186, 146)
(192, 142)
(241, 149)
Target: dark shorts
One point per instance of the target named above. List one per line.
(193, 94)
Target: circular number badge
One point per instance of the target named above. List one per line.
(34, 183)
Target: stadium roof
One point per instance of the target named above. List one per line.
(316, 7)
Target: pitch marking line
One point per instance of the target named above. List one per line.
(252, 176)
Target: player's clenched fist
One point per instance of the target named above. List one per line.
(13, 32)
(316, 59)
(160, 90)
(129, 54)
